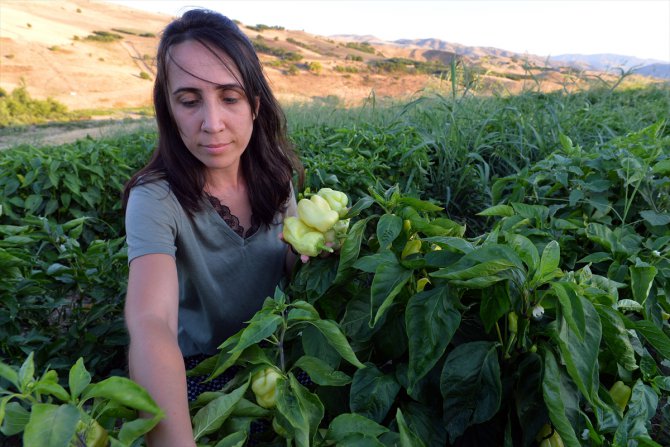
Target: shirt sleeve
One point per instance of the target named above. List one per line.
(151, 220)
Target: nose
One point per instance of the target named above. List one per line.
(213, 118)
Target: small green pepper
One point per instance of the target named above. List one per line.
(512, 322)
(316, 213)
(412, 246)
(264, 386)
(93, 434)
(421, 284)
(620, 393)
(545, 440)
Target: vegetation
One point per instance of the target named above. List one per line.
(281, 53)
(261, 27)
(134, 32)
(402, 65)
(303, 45)
(505, 274)
(104, 36)
(18, 107)
(365, 47)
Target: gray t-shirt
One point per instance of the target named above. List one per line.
(223, 278)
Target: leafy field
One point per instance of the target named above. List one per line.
(506, 277)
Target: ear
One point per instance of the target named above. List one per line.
(257, 106)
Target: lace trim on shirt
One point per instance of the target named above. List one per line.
(230, 219)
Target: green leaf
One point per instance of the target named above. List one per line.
(596, 258)
(236, 439)
(388, 281)
(350, 249)
(498, 210)
(495, 302)
(418, 204)
(431, 319)
(310, 404)
(470, 385)
(549, 262)
(321, 372)
(641, 408)
(628, 305)
(662, 167)
(407, 437)
(580, 354)
(371, 263)
(571, 307)
(132, 430)
(559, 399)
(355, 322)
(655, 336)
(26, 374)
(373, 393)
(389, 228)
(51, 425)
(530, 409)
(32, 203)
(15, 417)
(486, 269)
(616, 337)
(654, 218)
(337, 340)
(575, 196)
(315, 344)
(224, 359)
(301, 311)
(7, 372)
(262, 325)
(48, 385)
(352, 423)
(456, 243)
(210, 418)
(642, 278)
(302, 409)
(363, 203)
(125, 392)
(79, 378)
(526, 251)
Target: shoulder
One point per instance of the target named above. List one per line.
(159, 189)
(154, 199)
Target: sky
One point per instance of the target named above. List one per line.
(639, 28)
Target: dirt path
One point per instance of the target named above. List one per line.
(57, 135)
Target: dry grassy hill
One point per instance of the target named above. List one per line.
(48, 46)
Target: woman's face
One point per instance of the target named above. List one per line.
(214, 117)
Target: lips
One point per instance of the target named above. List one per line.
(215, 148)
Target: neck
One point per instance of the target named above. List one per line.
(222, 185)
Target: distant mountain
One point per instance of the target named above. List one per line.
(463, 50)
(655, 70)
(603, 62)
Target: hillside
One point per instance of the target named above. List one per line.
(57, 49)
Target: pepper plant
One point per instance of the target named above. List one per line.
(40, 411)
(489, 340)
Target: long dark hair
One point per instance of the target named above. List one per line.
(268, 163)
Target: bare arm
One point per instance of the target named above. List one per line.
(155, 360)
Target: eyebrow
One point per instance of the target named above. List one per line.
(233, 86)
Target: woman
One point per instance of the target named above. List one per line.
(203, 218)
